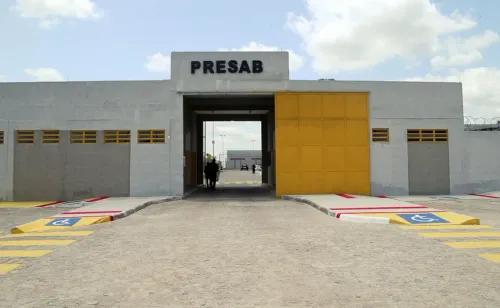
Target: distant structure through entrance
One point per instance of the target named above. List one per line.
(235, 158)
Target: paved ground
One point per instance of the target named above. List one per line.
(253, 251)
(239, 177)
(11, 217)
(488, 210)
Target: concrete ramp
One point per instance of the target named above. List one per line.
(102, 210)
(368, 209)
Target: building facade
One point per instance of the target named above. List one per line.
(235, 158)
(68, 140)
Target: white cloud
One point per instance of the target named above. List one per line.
(3, 78)
(50, 12)
(359, 34)
(44, 74)
(158, 63)
(480, 89)
(462, 51)
(296, 61)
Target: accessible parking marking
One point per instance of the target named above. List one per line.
(474, 244)
(48, 234)
(36, 242)
(460, 234)
(444, 227)
(7, 267)
(24, 253)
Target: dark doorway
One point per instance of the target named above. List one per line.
(200, 109)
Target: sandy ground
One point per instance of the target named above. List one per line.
(259, 252)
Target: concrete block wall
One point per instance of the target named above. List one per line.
(6, 162)
(396, 105)
(155, 169)
(482, 161)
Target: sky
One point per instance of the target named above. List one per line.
(421, 40)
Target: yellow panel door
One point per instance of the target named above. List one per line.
(322, 143)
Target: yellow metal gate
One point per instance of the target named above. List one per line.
(322, 143)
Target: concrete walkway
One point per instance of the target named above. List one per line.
(383, 210)
(99, 211)
(116, 207)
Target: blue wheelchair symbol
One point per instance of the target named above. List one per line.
(423, 218)
(63, 222)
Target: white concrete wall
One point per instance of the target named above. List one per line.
(6, 162)
(482, 161)
(155, 169)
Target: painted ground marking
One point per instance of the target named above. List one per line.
(460, 234)
(445, 227)
(63, 222)
(495, 257)
(7, 267)
(474, 244)
(422, 218)
(36, 243)
(24, 253)
(54, 233)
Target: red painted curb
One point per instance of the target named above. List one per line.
(379, 208)
(49, 204)
(382, 196)
(346, 196)
(485, 196)
(91, 212)
(94, 199)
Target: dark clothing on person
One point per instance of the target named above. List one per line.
(211, 170)
(253, 168)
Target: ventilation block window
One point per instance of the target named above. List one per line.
(2, 136)
(427, 135)
(116, 136)
(151, 136)
(25, 136)
(83, 136)
(380, 134)
(50, 136)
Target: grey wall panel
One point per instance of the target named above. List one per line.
(428, 168)
(67, 171)
(39, 171)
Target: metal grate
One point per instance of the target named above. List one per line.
(151, 136)
(380, 134)
(83, 136)
(50, 136)
(2, 136)
(25, 136)
(116, 136)
(427, 135)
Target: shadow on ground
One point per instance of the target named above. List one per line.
(233, 192)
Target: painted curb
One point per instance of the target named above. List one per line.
(40, 224)
(143, 206)
(364, 219)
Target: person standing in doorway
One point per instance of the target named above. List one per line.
(213, 169)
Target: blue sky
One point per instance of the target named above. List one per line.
(441, 40)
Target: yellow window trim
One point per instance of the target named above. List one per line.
(50, 136)
(145, 136)
(117, 136)
(427, 135)
(83, 136)
(380, 134)
(25, 136)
